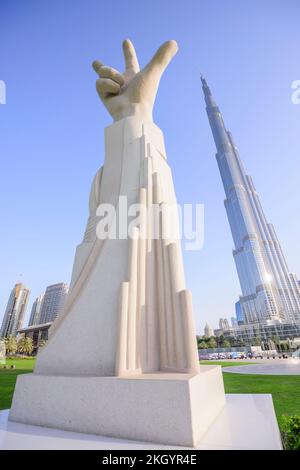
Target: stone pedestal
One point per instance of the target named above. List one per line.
(128, 309)
(175, 409)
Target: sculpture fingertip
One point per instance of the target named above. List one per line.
(173, 44)
(96, 64)
(127, 42)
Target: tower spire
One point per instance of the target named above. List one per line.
(209, 100)
(220, 134)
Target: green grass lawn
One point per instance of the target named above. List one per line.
(226, 363)
(285, 389)
(8, 378)
(24, 364)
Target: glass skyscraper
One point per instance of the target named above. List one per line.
(239, 313)
(269, 290)
(15, 311)
(36, 311)
(53, 302)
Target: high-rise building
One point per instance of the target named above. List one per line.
(234, 322)
(224, 324)
(208, 331)
(15, 311)
(269, 290)
(35, 314)
(239, 313)
(54, 299)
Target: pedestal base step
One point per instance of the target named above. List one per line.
(175, 409)
(246, 422)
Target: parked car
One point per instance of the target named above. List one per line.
(204, 357)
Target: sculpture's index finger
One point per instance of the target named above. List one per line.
(130, 56)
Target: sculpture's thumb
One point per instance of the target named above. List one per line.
(161, 58)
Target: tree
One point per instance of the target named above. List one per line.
(25, 345)
(256, 341)
(226, 344)
(202, 345)
(276, 342)
(212, 343)
(10, 345)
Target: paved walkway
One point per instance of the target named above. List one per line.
(286, 367)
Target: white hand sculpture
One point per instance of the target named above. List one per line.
(133, 93)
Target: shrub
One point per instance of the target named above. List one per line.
(290, 431)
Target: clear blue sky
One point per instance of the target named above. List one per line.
(51, 129)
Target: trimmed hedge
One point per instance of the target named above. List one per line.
(290, 431)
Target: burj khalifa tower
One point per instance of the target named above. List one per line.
(269, 290)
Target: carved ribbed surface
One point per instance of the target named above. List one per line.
(127, 310)
(156, 327)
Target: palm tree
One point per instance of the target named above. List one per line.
(10, 345)
(276, 341)
(25, 346)
(256, 341)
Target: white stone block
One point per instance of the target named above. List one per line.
(174, 409)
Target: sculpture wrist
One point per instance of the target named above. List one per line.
(143, 111)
